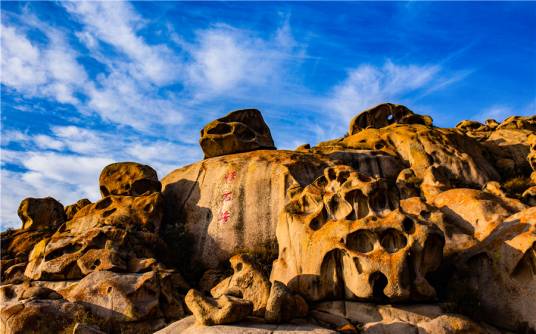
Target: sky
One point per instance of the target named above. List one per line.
(85, 84)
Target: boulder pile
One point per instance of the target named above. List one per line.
(397, 227)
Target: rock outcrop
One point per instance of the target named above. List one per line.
(397, 227)
(239, 131)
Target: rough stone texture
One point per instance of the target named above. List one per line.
(341, 237)
(218, 200)
(128, 179)
(477, 211)
(40, 316)
(398, 319)
(128, 297)
(223, 310)
(385, 114)
(420, 147)
(248, 281)
(41, 213)
(239, 131)
(396, 211)
(144, 212)
(188, 326)
(71, 210)
(283, 305)
(499, 274)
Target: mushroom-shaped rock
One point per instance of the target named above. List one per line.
(239, 131)
(283, 305)
(247, 281)
(385, 114)
(71, 210)
(223, 310)
(41, 213)
(128, 179)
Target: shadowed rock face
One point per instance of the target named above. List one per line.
(397, 211)
(239, 131)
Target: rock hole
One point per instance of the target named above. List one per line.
(392, 240)
(104, 191)
(331, 174)
(378, 282)
(109, 290)
(319, 221)
(148, 208)
(408, 225)
(103, 203)
(108, 212)
(343, 176)
(239, 266)
(358, 266)
(220, 129)
(359, 204)
(425, 214)
(361, 241)
(140, 187)
(331, 274)
(378, 146)
(95, 264)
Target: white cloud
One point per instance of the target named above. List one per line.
(369, 85)
(501, 112)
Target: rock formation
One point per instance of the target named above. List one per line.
(397, 227)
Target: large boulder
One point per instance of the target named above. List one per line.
(223, 310)
(248, 282)
(342, 237)
(496, 280)
(231, 203)
(421, 147)
(477, 211)
(41, 213)
(128, 179)
(239, 131)
(385, 114)
(129, 296)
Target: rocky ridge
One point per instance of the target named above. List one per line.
(397, 227)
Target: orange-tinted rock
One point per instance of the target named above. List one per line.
(239, 131)
(41, 213)
(128, 179)
(71, 210)
(385, 114)
(248, 282)
(223, 310)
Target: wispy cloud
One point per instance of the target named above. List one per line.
(368, 85)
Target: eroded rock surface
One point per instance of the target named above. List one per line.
(239, 131)
(319, 239)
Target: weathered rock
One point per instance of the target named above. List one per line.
(231, 203)
(125, 297)
(398, 319)
(385, 114)
(249, 281)
(282, 305)
(188, 326)
(143, 212)
(496, 280)
(239, 131)
(16, 246)
(421, 146)
(41, 213)
(128, 179)
(341, 237)
(223, 310)
(532, 153)
(39, 292)
(529, 196)
(71, 210)
(509, 149)
(408, 184)
(519, 122)
(476, 211)
(210, 279)
(41, 316)
(458, 237)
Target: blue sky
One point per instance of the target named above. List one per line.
(85, 84)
